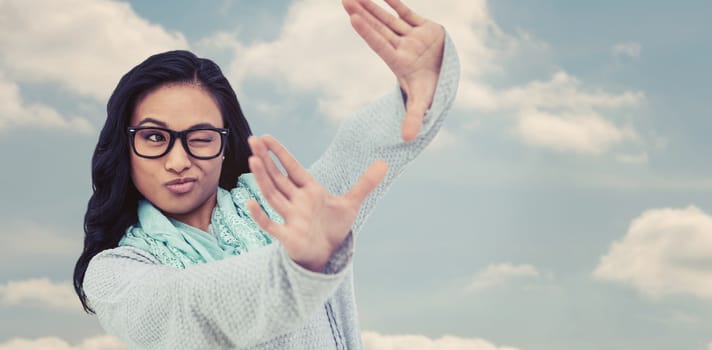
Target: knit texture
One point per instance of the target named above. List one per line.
(262, 299)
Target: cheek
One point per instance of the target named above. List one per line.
(210, 170)
(141, 173)
(214, 169)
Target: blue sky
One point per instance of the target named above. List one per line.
(565, 204)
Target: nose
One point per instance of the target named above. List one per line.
(177, 159)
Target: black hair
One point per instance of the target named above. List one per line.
(113, 205)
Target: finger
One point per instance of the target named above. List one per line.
(374, 39)
(283, 183)
(375, 23)
(394, 23)
(295, 171)
(415, 110)
(351, 6)
(406, 13)
(258, 149)
(273, 228)
(368, 181)
(273, 196)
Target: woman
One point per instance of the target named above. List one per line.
(172, 260)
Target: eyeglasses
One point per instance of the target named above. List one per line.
(153, 142)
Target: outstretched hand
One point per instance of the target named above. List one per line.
(315, 221)
(410, 45)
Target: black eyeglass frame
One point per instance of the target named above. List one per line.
(182, 135)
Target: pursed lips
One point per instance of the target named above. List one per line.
(181, 185)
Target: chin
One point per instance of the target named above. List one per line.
(173, 210)
(176, 206)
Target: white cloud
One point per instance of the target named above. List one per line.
(15, 112)
(47, 242)
(640, 158)
(40, 291)
(103, 342)
(371, 341)
(564, 92)
(82, 45)
(444, 140)
(376, 341)
(318, 52)
(631, 49)
(560, 116)
(584, 133)
(501, 274)
(665, 252)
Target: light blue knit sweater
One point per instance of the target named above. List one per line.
(262, 299)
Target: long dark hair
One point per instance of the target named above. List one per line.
(113, 205)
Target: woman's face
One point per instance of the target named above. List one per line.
(182, 186)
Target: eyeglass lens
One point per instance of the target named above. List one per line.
(155, 142)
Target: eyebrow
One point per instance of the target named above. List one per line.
(151, 120)
(164, 125)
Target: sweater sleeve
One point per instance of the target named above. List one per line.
(234, 302)
(373, 133)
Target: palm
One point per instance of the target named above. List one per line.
(315, 221)
(410, 45)
(313, 231)
(417, 52)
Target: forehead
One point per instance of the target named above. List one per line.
(179, 106)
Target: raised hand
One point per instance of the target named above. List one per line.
(410, 45)
(315, 221)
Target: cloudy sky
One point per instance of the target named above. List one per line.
(566, 204)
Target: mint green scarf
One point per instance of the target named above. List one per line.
(233, 231)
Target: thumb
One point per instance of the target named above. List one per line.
(414, 112)
(265, 223)
(368, 181)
